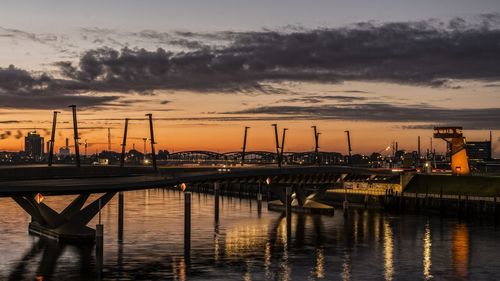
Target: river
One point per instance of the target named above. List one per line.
(250, 243)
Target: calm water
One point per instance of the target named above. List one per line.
(252, 245)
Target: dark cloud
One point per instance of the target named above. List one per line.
(5, 135)
(320, 99)
(18, 133)
(418, 127)
(426, 53)
(421, 53)
(354, 92)
(21, 89)
(493, 85)
(484, 118)
(20, 34)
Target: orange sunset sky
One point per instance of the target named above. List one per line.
(384, 75)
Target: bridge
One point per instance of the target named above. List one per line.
(256, 157)
(299, 186)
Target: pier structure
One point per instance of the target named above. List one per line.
(457, 148)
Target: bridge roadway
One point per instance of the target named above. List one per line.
(66, 180)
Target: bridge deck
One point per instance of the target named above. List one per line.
(72, 180)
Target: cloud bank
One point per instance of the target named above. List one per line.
(426, 53)
(481, 118)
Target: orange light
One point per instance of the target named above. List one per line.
(39, 198)
(183, 187)
(268, 181)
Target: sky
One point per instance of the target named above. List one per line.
(385, 70)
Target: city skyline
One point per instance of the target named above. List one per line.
(385, 76)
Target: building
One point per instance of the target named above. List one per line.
(64, 151)
(479, 150)
(34, 146)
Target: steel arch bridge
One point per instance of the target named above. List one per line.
(196, 155)
(257, 156)
(252, 156)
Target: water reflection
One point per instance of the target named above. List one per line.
(388, 251)
(460, 251)
(346, 267)
(319, 269)
(267, 260)
(216, 242)
(245, 239)
(369, 245)
(51, 251)
(427, 252)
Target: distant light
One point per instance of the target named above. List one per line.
(268, 181)
(183, 187)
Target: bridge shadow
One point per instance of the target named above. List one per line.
(48, 252)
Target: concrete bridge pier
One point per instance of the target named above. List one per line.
(304, 199)
(70, 224)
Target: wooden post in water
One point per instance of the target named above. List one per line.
(99, 249)
(467, 207)
(288, 203)
(401, 198)
(120, 216)
(366, 199)
(441, 208)
(495, 210)
(216, 202)
(417, 207)
(259, 191)
(459, 206)
(187, 224)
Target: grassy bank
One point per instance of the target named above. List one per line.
(455, 185)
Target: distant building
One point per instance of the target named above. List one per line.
(479, 150)
(64, 151)
(34, 146)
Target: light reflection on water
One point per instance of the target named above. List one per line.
(460, 251)
(427, 252)
(388, 251)
(248, 244)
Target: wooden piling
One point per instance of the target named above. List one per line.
(187, 224)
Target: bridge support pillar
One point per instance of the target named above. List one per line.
(68, 225)
(301, 200)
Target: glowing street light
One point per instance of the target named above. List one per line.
(39, 198)
(183, 187)
(268, 180)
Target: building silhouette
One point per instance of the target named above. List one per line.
(34, 146)
(65, 151)
(479, 150)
